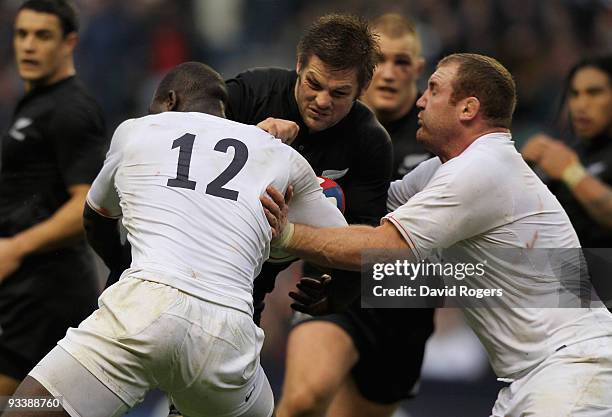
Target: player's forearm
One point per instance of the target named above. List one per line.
(64, 227)
(596, 198)
(342, 247)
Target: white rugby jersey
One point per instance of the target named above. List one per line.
(485, 199)
(188, 188)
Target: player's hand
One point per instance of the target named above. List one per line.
(276, 209)
(285, 130)
(11, 257)
(536, 147)
(557, 159)
(312, 296)
(550, 155)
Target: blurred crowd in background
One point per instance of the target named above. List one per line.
(126, 46)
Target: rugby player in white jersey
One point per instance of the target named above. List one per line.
(475, 197)
(186, 183)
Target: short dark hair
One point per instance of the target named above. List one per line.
(198, 87)
(395, 25)
(63, 9)
(489, 81)
(343, 42)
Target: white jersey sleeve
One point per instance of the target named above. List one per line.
(458, 202)
(309, 205)
(103, 196)
(402, 190)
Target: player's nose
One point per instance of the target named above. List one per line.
(386, 71)
(421, 102)
(323, 100)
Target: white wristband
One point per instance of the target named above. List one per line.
(285, 238)
(573, 174)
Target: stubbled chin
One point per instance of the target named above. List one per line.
(315, 125)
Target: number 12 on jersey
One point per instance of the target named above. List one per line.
(215, 187)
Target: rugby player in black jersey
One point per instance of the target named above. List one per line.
(393, 92)
(344, 364)
(50, 154)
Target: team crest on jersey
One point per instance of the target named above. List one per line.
(334, 174)
(19, 125)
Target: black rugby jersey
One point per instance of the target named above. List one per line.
(56, 139)
(407, 152)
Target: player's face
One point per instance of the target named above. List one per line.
(393, 85)
(438, 121)
(590, 102)
(324, 97)
(41, 50)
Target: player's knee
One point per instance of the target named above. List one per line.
(305, 400)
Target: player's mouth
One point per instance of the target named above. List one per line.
(317, 114)
(582, 122)
(29, 63)
(386, 90)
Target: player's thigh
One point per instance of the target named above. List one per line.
(82, 394)
(570, 382)
(8, 385)
(320, 355)
(253, 399)
(349, 402)
(218, 369)
(133, 335)
(32, 321)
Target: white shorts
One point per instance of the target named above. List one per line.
(575, 381)
(148, 335)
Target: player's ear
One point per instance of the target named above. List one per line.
(171, 101)
(363, 89)
(70, 42)
(469, 108)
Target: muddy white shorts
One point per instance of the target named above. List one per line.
(148, 335)
(575, 381)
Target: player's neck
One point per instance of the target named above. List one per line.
(456, 146)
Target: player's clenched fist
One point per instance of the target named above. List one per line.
(536, 147)
(285, 130)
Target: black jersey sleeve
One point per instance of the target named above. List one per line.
(80, 140)
(366, 193)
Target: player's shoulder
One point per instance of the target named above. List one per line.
(73, 96)
(485, 164)
(72, 104)
(367, 128)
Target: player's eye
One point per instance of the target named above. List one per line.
(44, 35)
(313, 84)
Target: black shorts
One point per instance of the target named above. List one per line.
(37, 305)
(391, 344)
